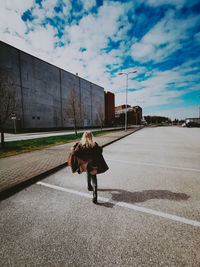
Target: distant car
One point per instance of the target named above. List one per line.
(191, 123)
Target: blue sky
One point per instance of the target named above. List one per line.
(98, 39)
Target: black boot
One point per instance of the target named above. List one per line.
(89, 182)
(94, 185)
(89, 188)
(94, 195)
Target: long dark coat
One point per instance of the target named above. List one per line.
(83, 159)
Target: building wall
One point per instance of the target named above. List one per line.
(109, 108)
(41, 93)
(121, 107)
(138, 111)
(97, 104)
(134, 115)
(67, 81)
(43, 89)
(87, 105)
(9, 58)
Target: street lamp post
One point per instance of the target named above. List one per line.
(126, 73)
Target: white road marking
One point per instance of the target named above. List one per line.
(153, 164)
(126, 205)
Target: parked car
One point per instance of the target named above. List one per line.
(192, 123)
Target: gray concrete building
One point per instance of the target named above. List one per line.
(43, 91)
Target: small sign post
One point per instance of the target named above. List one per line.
(13, 117)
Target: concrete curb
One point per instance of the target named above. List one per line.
(18, 187)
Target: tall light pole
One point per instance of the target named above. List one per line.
(126, 73)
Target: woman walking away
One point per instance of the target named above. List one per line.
(86, 156)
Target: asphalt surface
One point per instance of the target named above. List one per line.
(148, 212)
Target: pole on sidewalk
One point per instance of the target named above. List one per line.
(14, 126)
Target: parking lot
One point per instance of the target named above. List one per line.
(148, 212)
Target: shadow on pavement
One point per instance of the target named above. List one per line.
(120, 195)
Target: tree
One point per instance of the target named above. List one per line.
(73, 110)
(156, 119)
(100, 116)
(8, 102)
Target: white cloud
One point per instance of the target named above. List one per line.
(10, 16)
(14, 26)
(19, 6)
(142, 50)
(163, 39)
(48, 8)
(88, 4)
(42, 39)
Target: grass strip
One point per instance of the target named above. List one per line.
(16, 147)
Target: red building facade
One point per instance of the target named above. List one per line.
(134, 114)
(121, 107)
(109, 100)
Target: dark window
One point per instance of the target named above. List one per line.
(33, 117)
(38, 118)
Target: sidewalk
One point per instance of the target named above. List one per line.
(15, 170)
(26, 136)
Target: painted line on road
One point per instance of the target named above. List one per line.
(153, 164)
(126, 205)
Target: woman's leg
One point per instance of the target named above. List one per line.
(94, 185)
(89, 181)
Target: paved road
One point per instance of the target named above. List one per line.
(148, 212)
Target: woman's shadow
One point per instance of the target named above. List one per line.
(119, 195)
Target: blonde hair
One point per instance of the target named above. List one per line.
(87, 139)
